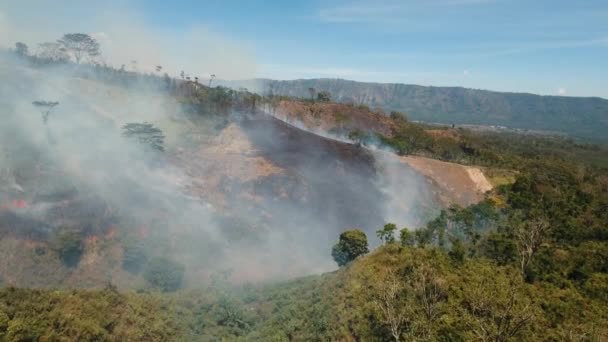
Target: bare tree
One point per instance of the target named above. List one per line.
(388, 299)
(530, 235)
(79, 46)
(429, 289)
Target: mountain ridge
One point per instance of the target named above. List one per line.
(583, 117)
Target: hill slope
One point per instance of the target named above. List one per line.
(582, 117)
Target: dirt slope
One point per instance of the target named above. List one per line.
(455, 183)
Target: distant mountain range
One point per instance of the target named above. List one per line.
(585, 117)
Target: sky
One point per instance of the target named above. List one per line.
(557, 47)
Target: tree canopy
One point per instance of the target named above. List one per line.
(352, 243)
(79, 46)
(145, 133)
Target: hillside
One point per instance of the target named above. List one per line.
(580, 117)
(140, 207)
(433, 295)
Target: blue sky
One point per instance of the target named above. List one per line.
(547, 47)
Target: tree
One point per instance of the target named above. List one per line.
(312, 92)
(21, 49)
(423, 237)
(398, 116)
(430, 291)
(252, 100)
(494, 306)
(458, 251)
(164, 274)
(52, 52)
(387, 233)
(390, 298)
(352, 243)
(529, 237)
(45, 107)
(211, 79)
(145, 133)
(406, 237)
(159, 68)
(324, 96)
(79, 46)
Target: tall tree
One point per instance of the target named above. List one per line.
(79, 46)
(387, 233)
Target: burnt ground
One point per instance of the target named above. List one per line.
(336, 180)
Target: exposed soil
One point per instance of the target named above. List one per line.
(455, 183)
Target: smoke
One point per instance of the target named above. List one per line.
(127, 39)
(265, 203)
(408, 200)
(271, 211)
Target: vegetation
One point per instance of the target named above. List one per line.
(164, 274)
(352, 244)
(79, 46)
(34, 315)
(146, 134)
(387, 233)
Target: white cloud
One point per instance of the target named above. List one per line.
(561, 91)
